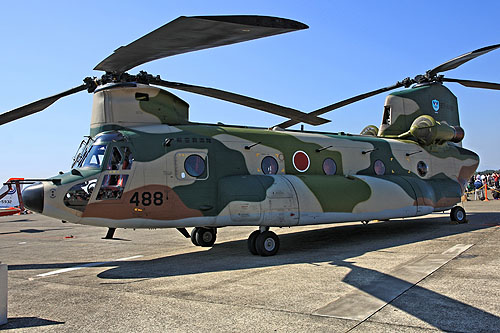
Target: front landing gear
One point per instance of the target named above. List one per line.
(110, 233)
(265, 243)
(204, 237)
(458, 215)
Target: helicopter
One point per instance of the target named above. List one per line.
(146, 165)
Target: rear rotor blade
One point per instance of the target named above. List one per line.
(345, 102)
(187, 34)
(279, 110)
(460, 60)
(474, 84)
(37, 106)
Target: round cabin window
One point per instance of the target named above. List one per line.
(379, 167)
(422, 168)
(269, 166)
(329, 167)
(194, 165)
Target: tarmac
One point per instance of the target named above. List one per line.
(406, 275)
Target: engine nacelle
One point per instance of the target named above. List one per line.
(428, 131)
(370, 130)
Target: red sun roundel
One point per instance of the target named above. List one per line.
(301, 161)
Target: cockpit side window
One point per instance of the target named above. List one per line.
(118, 170)
(94, 157)
(114, 160)
(112, 187)
(78, 196)
(127, 158)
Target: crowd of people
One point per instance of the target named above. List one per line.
(479, 182)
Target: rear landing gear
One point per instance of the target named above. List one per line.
(458, 215)
(204, 237)
(251, 242)
(264, 243)
(193, 237)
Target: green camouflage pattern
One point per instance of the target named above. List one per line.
(408, 104)
(371, 177)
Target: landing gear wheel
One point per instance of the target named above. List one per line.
(251, 242)
(267, 243)
(205, 237)
(458, 215)
(193, 236)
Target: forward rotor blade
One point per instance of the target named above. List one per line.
(474, 84)
(279, 110)
(460, 60)
(36, 106)
(340, 104)
(187, 34)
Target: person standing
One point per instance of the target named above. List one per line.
(496, 189)
(478, 184)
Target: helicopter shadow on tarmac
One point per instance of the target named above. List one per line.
(332, 244)
(28, 322)
(337, 245)
(440, 311)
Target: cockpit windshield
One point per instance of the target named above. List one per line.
(82, 151)
(91, 152)
(94, 157)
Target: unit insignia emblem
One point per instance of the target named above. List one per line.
(435, 105)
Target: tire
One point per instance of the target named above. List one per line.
(251, 242)
(205, 237)
(267, 244)
(193, 236)
(458, 215)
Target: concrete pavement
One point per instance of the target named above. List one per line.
(408, 275)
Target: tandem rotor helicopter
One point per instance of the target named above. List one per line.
(145, 165)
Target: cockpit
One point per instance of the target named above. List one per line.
(91, 152)
(110, 154)
(94, 157)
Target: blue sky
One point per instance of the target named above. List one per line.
(351, 47)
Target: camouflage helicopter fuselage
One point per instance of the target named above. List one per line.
(145, 165)
(149, 167)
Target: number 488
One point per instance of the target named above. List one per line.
(146, 199)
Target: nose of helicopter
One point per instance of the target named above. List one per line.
(33, 197)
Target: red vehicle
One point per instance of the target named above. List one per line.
(11, 201)
(9, 211)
